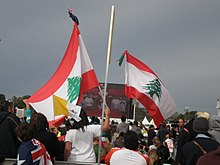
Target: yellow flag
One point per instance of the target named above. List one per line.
(60, 106)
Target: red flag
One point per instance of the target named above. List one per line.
(144, 85)
(74, 76)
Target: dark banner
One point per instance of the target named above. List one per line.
(115, 99)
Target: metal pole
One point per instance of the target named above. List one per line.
(106, 73)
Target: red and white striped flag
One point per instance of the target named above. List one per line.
(144, 85)
(74, 76)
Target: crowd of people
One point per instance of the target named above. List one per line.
(33, 141)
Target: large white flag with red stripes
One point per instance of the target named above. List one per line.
(144, 85)
(74, 76)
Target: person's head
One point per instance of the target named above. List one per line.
(82, 123)
(151, 127)
(53, 129)
(131, 140)
(181, 122)
(24, 132)
(201, 125)
(39, 122)
(176, 128)
(167, 135)
(136, 123)
(123, 118)
(2, 103)
(95, 120)
(112, 122)
(2, 98)
(9, 106)
(163, 125)
(156, 141)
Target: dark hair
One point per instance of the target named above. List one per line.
(24, 132)
(163, 156)
(113, 122)
(122, 134)
(175, 125)
(83, 122)
(136, 123)
(95, 120)
(123, 118)
(131, 140)
(2, 103)
(2, 98)
(151, 126)
(163, 152)
(8, 105)
(39, 122)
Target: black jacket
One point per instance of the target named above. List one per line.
(50, 141)
(185, 135)
(9, 143)
(151, 135)
(191, 152)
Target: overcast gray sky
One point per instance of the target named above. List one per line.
(179, 40)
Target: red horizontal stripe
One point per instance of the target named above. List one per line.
(139, 64)
(149, 104)
(62, 71)
(89, 81)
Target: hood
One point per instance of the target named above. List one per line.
(214, 123)
(3, 115)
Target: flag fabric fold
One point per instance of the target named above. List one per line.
(144, 85)
(74, 76)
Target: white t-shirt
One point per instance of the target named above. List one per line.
(82, 144)
(126, 157)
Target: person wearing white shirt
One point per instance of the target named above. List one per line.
(79, 139)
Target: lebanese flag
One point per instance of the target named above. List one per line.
(144, 85)
(74, 76)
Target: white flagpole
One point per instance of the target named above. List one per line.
(134, 110)
(101, 93)
(106, 73)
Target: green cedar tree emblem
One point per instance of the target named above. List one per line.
(154, 87)
(73, 88)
